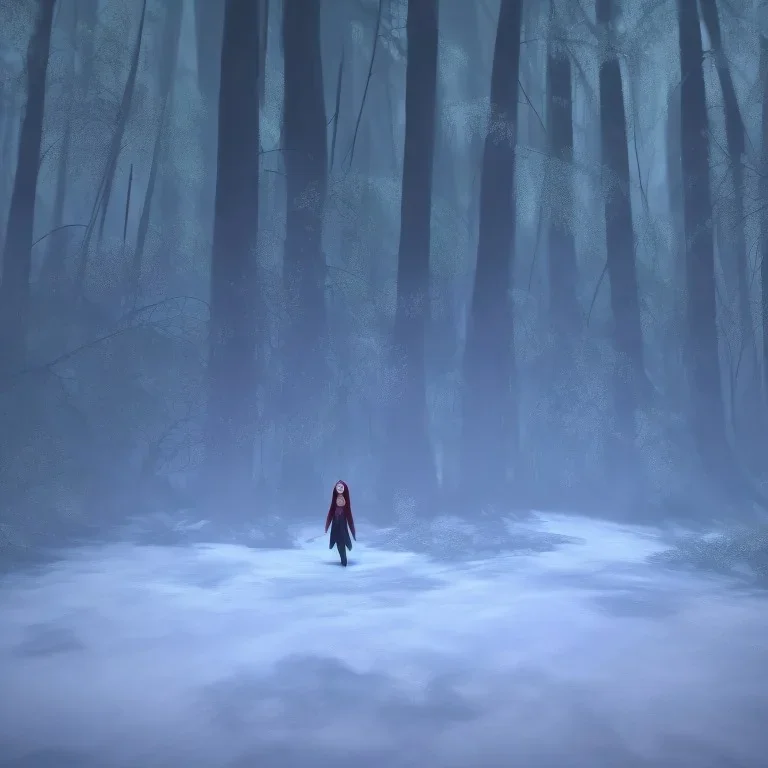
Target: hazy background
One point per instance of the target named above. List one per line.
(497, 265)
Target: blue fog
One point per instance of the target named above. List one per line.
(577, 653)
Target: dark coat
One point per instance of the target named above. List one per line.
(340, 520)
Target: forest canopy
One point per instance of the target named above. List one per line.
(473, 257)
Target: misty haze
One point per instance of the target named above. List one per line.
(383, 383)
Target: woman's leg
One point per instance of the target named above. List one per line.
(342, 550)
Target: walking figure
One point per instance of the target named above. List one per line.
(340, 521)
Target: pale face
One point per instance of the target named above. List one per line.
(339, 487)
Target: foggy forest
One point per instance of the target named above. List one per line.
(500, 266)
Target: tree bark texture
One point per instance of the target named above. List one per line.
(17, 249)
(231, 428)
(563, 272)
(305, 154)
(410, 447)
(167, 69)
(764, 211)
(707, 414)
(619, 236)
(490, 417)
(734, 259)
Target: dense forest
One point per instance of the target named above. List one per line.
(475, 258)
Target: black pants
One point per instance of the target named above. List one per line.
(341, 538)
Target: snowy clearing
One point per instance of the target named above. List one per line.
(220, 655)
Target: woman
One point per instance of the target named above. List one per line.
(340, 521)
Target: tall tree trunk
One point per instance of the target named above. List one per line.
(88, 13)
(137, 261)
(473, 84)
(619, 237)
(165, 77)
(306, 166)
(442, 337)
(707, 415)
(15, 289)
(764, 212)
(410, 451)
(7, 137)
(121, 121)
(675, 185)
(490, 413)
(103, 193)
(209, 22)
(735, 258)
(54, 263)
(230, 428)
(168, 207)
(264, 27)
(446, 160)
(85, 20)
(52, 270)
(563, 304)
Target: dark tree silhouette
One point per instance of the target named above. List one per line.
(88, 16)
(209, 21)
(489, 407)
(764, 209)
(104, 191)
(563, 304)
(441, 342)
(264, 27)
(121, 121)
(17, 250)
(53, 265)
(707, 414)
(675, 182)
(734, 261)
(83, 17)
(447, 175)
(474, 45)
(165, 78)
(414, 467)
(619, 234)
(306, 165)
(230, 428)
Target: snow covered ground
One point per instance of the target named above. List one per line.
(221, 656)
